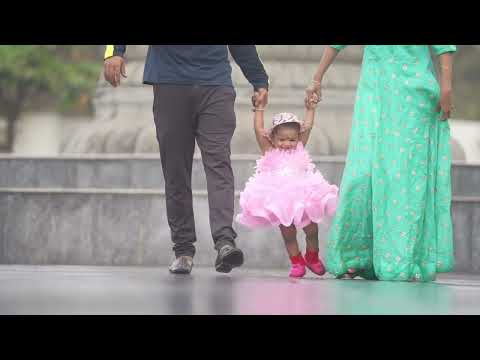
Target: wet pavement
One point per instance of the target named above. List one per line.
(139, 290)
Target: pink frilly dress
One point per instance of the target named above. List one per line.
(286, 189)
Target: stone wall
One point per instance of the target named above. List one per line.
(87, 210)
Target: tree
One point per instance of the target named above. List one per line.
(31, 74)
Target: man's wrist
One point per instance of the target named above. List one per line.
(119, 53)
(260, 87)
(109, 57)
(114, 50)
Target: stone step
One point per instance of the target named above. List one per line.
(144, 171)
(129, 227)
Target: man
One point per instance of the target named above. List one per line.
(194, 100)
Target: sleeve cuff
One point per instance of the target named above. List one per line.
(257, 86)
(338, 47)
(112, 50)
(442, 49)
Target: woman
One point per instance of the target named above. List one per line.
(393, 221)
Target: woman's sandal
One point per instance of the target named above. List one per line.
(350, 274)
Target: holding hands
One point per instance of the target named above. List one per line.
(260, 99)
(313, 94)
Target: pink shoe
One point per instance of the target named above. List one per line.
(316, 268)
(297, 270)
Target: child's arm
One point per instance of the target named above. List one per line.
(263, 141)
(308, 121)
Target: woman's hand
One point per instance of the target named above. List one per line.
(311, 103)
(313, 93)
(445, 104)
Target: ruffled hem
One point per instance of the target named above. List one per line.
(299, 213)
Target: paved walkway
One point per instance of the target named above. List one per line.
(132, 290)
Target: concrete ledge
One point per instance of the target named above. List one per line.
(129, 227)
(196, 193)
(144, 171)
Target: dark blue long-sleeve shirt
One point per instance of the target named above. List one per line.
(199, 64)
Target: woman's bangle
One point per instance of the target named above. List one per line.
(258, 109)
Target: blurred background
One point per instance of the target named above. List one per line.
(53, 100)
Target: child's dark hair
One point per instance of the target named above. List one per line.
(290, 125)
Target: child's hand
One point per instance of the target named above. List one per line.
(311, 103)
(314, 91)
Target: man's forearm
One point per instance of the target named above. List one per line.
(247, 58)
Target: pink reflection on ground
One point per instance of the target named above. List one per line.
(280, 297)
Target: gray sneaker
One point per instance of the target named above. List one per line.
(181, 265)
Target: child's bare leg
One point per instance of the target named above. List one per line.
(289, 234)
(290, 238)
(311, 232)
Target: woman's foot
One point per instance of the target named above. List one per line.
(367, 274)
(313, 262)
(352, 273)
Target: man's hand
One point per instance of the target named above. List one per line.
(260, 98)
(113, 67)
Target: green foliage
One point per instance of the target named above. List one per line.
(64, 73)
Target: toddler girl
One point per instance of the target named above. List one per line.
(286, 189)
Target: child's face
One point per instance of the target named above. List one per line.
(285, 138)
